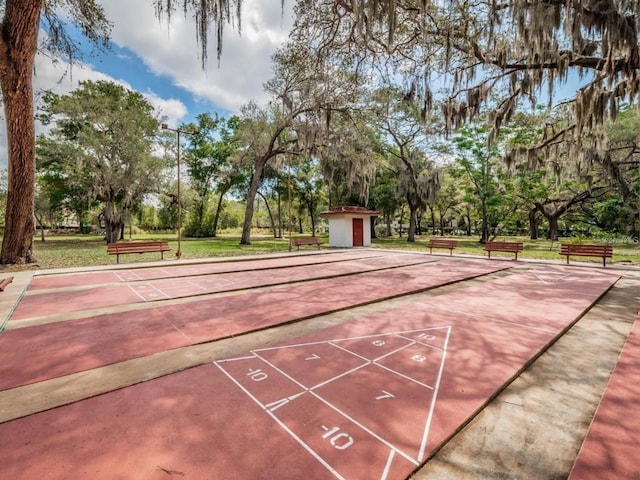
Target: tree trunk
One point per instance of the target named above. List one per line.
(18, 44)
(552, 233)
(40, 220)
(413, 220)
(113, 223)
(271, 219)
(433, 221)
(111, 232)
(216, 217)
(484, 222)
(251, 197)
(279, 212)
(533, 224)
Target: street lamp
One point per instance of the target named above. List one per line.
(178, 132)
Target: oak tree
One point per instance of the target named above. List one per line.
(20, 22)
(102, 139)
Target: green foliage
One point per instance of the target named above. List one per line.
(99, 150)
(485, 183)
(309, 187)
(209, 169)
(88, 250)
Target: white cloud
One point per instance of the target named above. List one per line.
(171, 49)
(171, 109)
(52, 75)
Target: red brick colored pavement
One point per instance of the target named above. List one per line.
(611, 448)
(370, 398)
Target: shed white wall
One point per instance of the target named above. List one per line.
(341, 230)
(366, 226)
(340, 233)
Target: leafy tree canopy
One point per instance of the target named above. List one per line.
(102, 141)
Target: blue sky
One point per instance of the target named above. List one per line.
(162, 61)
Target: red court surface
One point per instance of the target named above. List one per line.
(72, 346)
(369, 399)
(611, 447)
(41, 302)
(124, 274)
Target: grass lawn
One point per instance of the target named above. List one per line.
(89, 250)
(623, 252)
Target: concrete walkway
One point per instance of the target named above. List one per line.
(533, 429)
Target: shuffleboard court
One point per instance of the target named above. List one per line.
(368, 399)
(137, 273)
(552, 284)
(610, 449)
(41, 352)
(40, 302)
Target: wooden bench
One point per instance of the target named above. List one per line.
(509, 247)
(441, 243)
(306, 241)
(123, 248)
(4, 282)
(601, 251)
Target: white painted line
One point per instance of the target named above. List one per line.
(387, 467)
(422, 344)
(280, 371)
(427, 428)
(284, 426)
(403, 376)
(128, 276)
(466, 313)
(550, 277)
(137, 293)
(397, 349)
(360, 367)
(359, 337)
(373, 434)
(273, 406)
(249, 357)
(330, 342)
(158, 290)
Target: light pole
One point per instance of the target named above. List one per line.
(178, 132)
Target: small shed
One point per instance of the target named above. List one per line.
(349, 226)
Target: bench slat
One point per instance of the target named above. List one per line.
(4, 282)
(508, 247)
(123, 248)
(441, 243)
(587, 250)
(306, 241)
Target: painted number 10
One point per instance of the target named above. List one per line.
(338, 439)
(257, 375)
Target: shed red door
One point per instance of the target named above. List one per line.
(358, 232)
